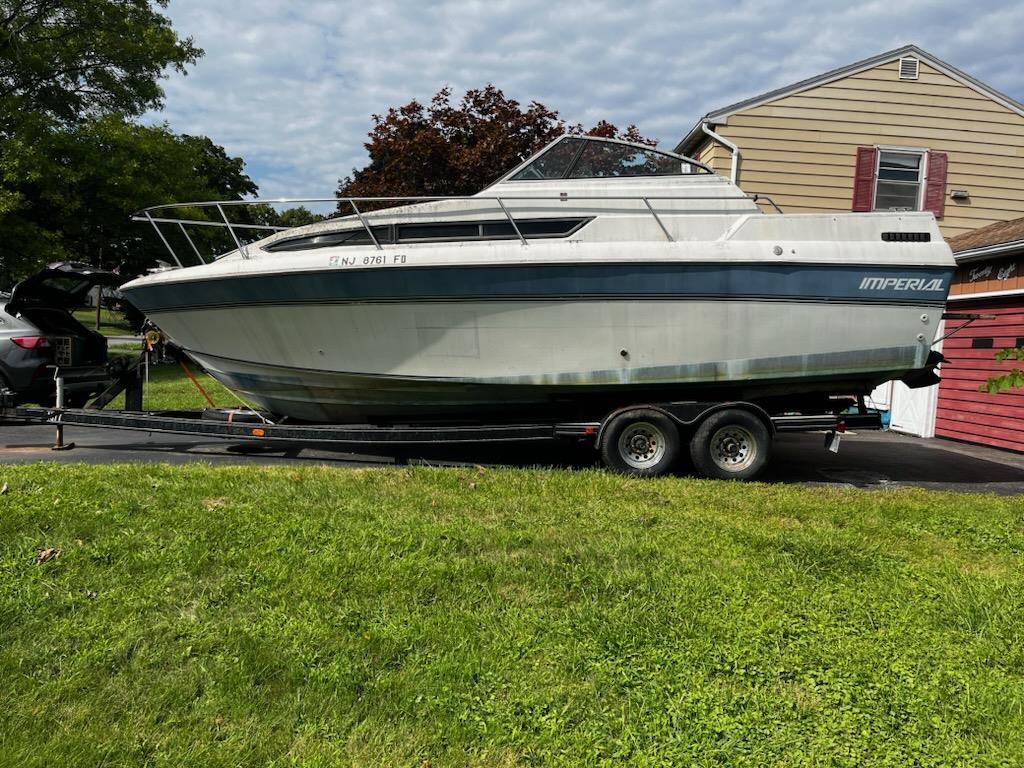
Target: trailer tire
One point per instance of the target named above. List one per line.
(641, 442)
(731, 445)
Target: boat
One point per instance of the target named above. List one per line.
(596, 274)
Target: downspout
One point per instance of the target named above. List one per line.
(734, 171)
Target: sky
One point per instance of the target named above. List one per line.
(290, 86)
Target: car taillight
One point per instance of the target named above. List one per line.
(32, 342)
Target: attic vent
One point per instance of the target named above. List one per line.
(909, 68)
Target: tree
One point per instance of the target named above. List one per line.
(297, 217)
(80, 187)
(262, 213)
(457, 149)
(1012, 379)
(71, 59)
(72, 166)
(120, 167)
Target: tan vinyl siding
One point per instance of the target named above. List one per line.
(800, 149)
(716, 157)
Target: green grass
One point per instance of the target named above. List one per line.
(315, 616)
(169, 389)
(111, 323)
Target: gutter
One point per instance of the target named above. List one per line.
(985, 295)
(682, 148)
(987, 251)
(734, 170)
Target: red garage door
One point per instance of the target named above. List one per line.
(964, 412)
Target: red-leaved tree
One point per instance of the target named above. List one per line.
(457, 149)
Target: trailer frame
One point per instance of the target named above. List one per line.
(681, 422)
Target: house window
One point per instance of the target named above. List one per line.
(898, 180)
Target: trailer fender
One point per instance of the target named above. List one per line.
(609, 417)
(689, 415)
(695, 416)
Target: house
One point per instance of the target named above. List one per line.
(902, 130)
(990, 281)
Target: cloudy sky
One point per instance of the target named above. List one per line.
(290, 86)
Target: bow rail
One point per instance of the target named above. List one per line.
(147, 214)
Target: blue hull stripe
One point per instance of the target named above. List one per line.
(868, 283)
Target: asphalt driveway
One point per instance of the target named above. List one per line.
(869, 460)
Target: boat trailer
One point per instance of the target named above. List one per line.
(728, 439)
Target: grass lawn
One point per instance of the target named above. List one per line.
(250, 616)
(169, 389)
(111, 323)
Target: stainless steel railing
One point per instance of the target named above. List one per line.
(146, 214)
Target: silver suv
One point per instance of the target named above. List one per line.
(38, 331)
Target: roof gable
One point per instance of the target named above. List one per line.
(719, 116)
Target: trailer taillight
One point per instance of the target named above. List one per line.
(32, 342)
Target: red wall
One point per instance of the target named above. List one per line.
(964, 412)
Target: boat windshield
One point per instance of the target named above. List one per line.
(583, 158)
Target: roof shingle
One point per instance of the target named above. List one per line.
(994, 234)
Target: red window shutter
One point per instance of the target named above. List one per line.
(864, 179)
(935, 185)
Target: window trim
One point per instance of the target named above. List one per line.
(922, 181)
(581, 221)
(393, 236)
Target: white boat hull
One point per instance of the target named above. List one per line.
(706, 299)
(353, 362)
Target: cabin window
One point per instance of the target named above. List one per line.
(329, 239)
(898, 180)
(590, 158)
(553, 164)
(606, 160)
(489, 230)
(532, 228)
(436, 231)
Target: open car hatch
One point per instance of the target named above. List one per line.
(61, 285)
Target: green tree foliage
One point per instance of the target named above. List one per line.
(457, 149)
(73, 167)
(79, 185)
(297, 217)
(1012, 379)
(71, 59)
(114, 167)
(261, 213)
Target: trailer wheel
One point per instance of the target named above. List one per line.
(641, 442)
(731, 445)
